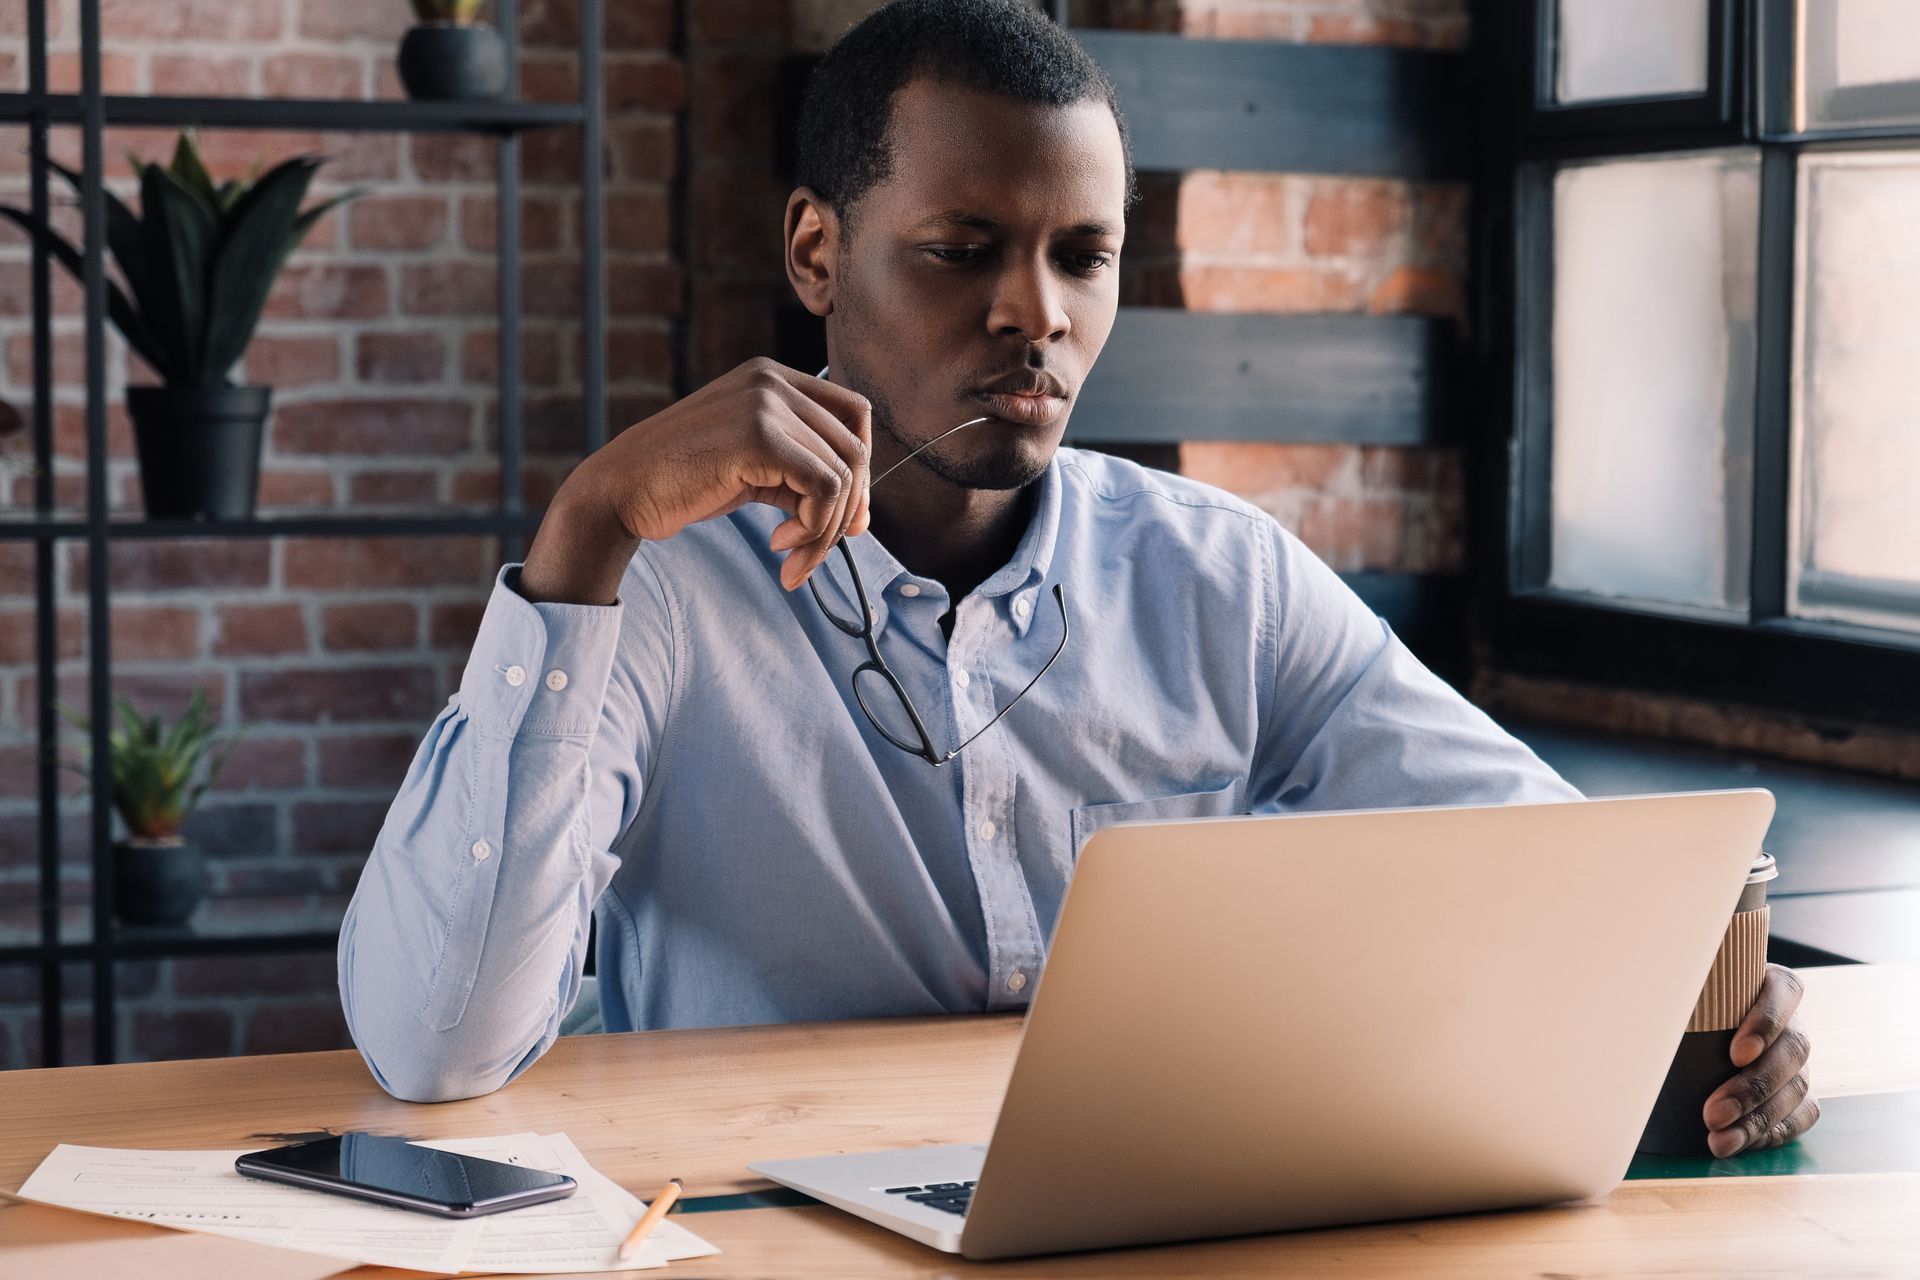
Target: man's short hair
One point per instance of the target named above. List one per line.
(1006, 47)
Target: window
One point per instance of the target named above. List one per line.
(1712, 254)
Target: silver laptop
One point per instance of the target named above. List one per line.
(1256, 1024)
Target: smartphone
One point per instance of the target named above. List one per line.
(396, 1172)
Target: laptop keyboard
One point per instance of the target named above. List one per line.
(948, 1197)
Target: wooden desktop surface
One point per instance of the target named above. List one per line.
(700, 1104)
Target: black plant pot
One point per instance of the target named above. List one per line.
(199, 449)
(447, 62)
(157, 881)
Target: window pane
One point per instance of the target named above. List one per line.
(1631, 49)
(1857, 390)
(1653, 369)
(1860, 62)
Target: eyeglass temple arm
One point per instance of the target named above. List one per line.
(972, 422)
(1059, 598)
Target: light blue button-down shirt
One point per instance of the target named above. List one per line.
(690, 764)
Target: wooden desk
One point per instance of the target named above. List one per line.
(700, 1104)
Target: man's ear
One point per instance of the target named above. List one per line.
(813, 249)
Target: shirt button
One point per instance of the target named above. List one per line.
(962, 679)
(1022, 607)
(910, 589)
(987, 830)
(556, 680)
(1016, 981)
(516, 675)
(482, 850)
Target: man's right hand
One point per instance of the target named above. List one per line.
(759, 433)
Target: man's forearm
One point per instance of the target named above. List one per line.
(578, 557)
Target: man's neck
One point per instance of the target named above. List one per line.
(957, 536)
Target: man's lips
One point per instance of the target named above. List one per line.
(1036, 410)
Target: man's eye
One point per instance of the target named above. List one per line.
(961, 253)
(1088, 264)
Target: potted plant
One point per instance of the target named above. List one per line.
(451, 56)
(159, 775)
(198, 261)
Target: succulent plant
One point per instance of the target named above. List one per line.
(198, 259)
(160, 773)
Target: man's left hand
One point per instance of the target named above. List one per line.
(1769, 1103)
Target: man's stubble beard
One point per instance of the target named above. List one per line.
(966, 460)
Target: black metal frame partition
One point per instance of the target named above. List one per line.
(91, 111)
(1769, 658)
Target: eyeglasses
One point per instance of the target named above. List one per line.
(876, 677)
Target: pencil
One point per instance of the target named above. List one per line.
(650, 1219)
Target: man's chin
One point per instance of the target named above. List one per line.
(1014, 467)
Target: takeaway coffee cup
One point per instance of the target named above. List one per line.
(1704, 1060)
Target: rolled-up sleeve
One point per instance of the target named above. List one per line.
(1354, 721)
(465, 941)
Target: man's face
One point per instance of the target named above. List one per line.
(981, 277)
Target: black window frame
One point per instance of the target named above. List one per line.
(1843, 672)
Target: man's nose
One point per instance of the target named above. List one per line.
(1028, 303)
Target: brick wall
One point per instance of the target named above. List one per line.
(330, 654)
(333, 654)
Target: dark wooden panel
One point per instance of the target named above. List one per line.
(1178, 375)
(1238, 104)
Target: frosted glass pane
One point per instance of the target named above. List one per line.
(1631, 49)
(1653, 368)
(1857, 388)
(1860, 62)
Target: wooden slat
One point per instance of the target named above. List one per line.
(1299, 379)
(1290, 108)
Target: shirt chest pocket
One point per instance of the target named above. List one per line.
(1221, 802)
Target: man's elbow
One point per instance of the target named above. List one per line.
(428, 1077)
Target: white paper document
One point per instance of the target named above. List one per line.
(200, 1191)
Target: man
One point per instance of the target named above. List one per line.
(660, 723)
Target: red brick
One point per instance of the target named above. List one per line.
(265, 764)
(159, 1036)
(70, 431)
(387, 427)
(119, 72)
(259, 630)
(737, 21)
(336, 695)
(549, 78)
(540, 223)
(1233, 213)
(449, 289)
(1220, 287)
(394, 488)
(1343, 29)
(1421, 291)
(260, 975)
(400, 358)
(736, 96)
(550, 289)
(644, 288)
(1355, 219)
(339, 826)
(646, 82)
(284, 361)
(539, 356)
(217, 564)
(155, 632)
(305, 1027)
(135, 21)
(283, 488)
(398, 222)
(454, 626)
(453, 157)
(200, 75)
(551, 157)
(333, 564)
(1266, 468)
(383, 625)
(644, 149)
(378, 21)
(640, 221)
(366, 762)
(1239, 24)
(19, 635)
(629, 24)
(360, 157)
(313, 75)
(635, 355)
(313, 292)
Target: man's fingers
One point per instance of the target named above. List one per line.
(1772, 1009)
(1780, 1119)
(1766, 1076)
(847, 445)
